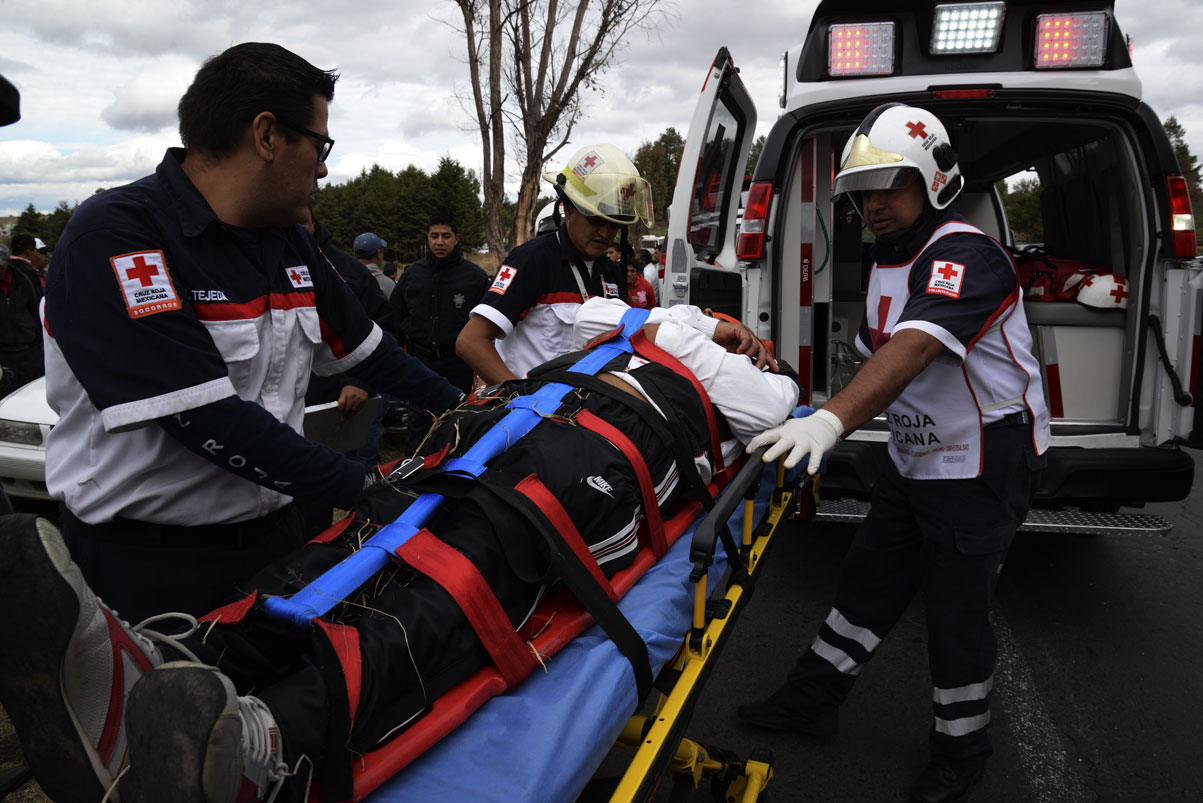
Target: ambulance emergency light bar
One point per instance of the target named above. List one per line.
(864, 48)
(967, 28)
(1072, 40)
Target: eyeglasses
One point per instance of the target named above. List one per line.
(323, 150)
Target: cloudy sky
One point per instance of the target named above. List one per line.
(99, 80)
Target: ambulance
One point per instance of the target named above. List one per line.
(1038, 91)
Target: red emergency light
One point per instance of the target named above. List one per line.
(865, 48)
(1071, 40)
(750, 244)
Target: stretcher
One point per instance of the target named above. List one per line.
(543, 740)
(516, 733)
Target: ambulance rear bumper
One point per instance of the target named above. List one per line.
(1090, 479)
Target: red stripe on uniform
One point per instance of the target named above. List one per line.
(559, 298)
(647, 490)
(1012, 298)
(250, 310)
(460, 578)
(331, 339)
(229, 311)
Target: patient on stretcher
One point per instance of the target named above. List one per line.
(245, 704)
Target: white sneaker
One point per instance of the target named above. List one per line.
(67, 664)
(194, 740)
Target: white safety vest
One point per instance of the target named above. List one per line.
(936, 424)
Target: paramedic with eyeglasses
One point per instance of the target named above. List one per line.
(950, 364)
(182, 320)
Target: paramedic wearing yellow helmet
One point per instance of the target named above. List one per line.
(525, 318)
(950, 364)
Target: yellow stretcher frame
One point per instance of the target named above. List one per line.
(658, 741)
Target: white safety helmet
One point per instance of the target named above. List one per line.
(1104, 291)
(600, 181)
(893, 143)
(546, 219)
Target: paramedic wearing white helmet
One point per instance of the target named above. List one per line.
(526, 316)
(950, 363)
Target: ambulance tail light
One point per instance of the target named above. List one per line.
(967, 28)
(1072, 40)
(856, 49)
(756, 214)
(1183, 220)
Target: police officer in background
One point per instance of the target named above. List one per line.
(184, 315)
(950, 363)
(433, 299)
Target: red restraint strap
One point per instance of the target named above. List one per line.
(537, 492)
(653, 353)
(345, 641)
(651, 506)
(460, 578)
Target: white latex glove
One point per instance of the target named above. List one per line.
(815, 435)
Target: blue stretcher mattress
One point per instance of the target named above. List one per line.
(544, 740)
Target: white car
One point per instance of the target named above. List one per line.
(26, 419)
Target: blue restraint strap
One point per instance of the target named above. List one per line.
(525, 412)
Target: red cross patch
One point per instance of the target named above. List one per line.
(501, 282)
(145, 283)
(917, 130)
(946, 278)
(299, 277)
(588, 163)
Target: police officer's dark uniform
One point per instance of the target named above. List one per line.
(433, 299)
(20, 327)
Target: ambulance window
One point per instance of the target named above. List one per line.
(1021, 195)
(715, 179)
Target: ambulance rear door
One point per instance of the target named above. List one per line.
(701, 267)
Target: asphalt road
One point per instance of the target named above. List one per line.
(1098, 693)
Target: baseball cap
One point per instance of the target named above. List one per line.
(5, 253)
(38, 245)
(367, 244)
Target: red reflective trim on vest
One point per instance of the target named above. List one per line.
(653, 353)
(345, 641)
(460, 578)
(533, 489)
(234, 612)
(651, 507)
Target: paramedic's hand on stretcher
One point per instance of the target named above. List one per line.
(738, 338)
(815, 435)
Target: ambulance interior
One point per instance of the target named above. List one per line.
(1091, 210)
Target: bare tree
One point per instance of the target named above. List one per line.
(528, 61)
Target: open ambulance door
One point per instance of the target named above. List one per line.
(700, 263)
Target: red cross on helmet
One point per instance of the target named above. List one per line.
(1104, 291)
(891, 145)
(600, 181)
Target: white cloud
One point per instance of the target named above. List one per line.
(148, 101)
(100, 80)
